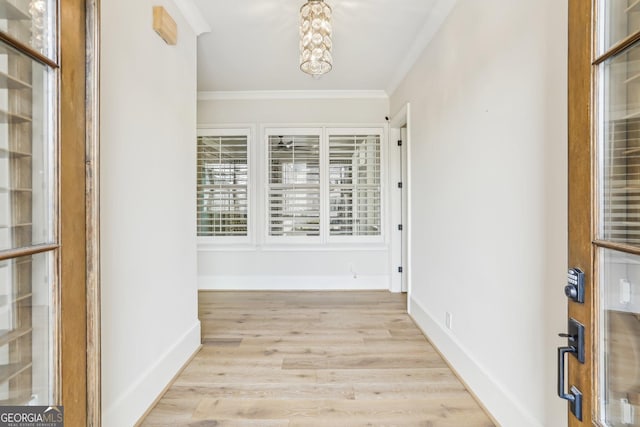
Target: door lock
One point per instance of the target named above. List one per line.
(574, 289)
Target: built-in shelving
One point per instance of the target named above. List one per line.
(634, 114)
(16, 325)
(20, 398)
(6, 299)
(634, 78)
(9, 10)
(6, 153)
(9, 336)
(8, 117)
(633, 7)
(631, 151)
(11, 370)
(10, 82)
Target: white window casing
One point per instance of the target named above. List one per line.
(224, 186)
(355, 185)
(321, 187)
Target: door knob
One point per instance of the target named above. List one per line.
(575, 345)
(574, 396)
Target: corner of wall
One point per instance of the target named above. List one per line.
(139, 397)
(488, 390)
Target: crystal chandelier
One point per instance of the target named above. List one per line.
(315, 38)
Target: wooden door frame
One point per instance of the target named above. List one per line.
(79, 208)
(581, 200)
(92, 176)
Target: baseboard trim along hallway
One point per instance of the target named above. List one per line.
(489, 392)
(293, 283)
(132, 404)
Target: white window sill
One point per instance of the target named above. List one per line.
(291, 247)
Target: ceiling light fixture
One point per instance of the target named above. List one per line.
(315, 38)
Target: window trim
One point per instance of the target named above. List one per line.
(247, 241)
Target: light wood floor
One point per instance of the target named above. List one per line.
(314, 359)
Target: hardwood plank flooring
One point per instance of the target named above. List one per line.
(313, 359)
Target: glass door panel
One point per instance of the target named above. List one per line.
(26, 328)
(618, 295)
(619, 400)
(621, 19)
(28, 200)
(26, 152)
(30, 22)
(620, 150)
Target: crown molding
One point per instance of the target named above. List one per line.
(292, 94)
(193, 16)
(434, 21)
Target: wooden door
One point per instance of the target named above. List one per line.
(44, 207)
(603, 386)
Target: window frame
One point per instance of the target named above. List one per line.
(324, 240)
(225, 242)
(357, 131)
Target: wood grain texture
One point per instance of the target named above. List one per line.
(580, 251)
(164, 25)
(92, 213)
(314, 359)
(72, 212)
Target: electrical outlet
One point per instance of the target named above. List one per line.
(448, 319)
(352, 270)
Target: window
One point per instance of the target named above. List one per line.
(223, 184)
(294, 185)
(354, 185)
(324, 185)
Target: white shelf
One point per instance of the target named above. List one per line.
(10, 82)
(8, 10)
(7, 117)
(633, 79)
(633, 115)
(634, 7)
(6, 153)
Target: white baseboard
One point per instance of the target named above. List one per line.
(498, 401)
(292, 283)
(135, 401)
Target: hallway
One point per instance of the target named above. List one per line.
(313, 359)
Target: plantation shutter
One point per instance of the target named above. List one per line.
(294, 185)
(354, 185)
(222, 199)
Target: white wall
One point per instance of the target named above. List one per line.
(148, 249)
(488, 143)
(263, 267)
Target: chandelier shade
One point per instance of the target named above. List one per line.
(315, 38)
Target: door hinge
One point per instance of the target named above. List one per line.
(399, 143)
(399, 269)
(399, 227)
(399, 185)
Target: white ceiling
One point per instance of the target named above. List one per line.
(253, 44)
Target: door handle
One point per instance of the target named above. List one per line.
(574, 396)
